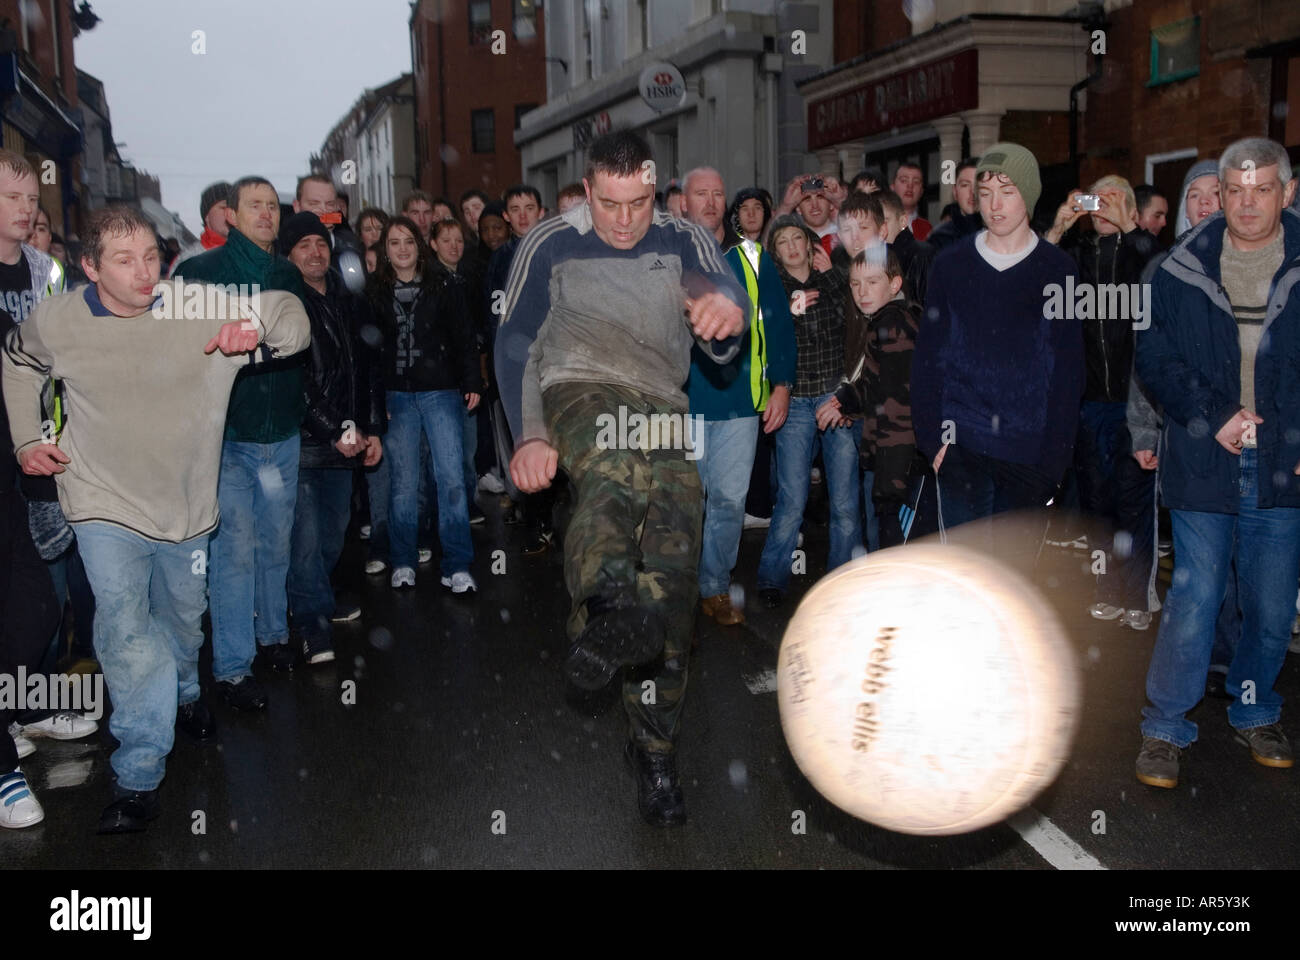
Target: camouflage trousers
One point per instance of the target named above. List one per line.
(634, 533)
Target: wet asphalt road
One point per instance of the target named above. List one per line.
(460, 750)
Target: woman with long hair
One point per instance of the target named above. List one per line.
(431, 372)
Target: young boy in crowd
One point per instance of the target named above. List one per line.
(879, 336)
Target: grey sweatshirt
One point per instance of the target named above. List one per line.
(577, 309)
(146, 406)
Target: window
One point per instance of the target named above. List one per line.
(521, 109)
(525, 19)
(1175, 51)
(480, 21)
(587, 16)
(484, 126)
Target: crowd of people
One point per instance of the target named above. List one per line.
(388, 374)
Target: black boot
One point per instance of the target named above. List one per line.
(130, 812)
(194, 719)
(618, 633)
(658, 791)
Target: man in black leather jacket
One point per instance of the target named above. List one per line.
(340, 431)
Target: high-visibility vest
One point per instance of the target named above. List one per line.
(759, 389)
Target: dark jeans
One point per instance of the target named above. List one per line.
(974, 489)
(28, 611)
(320, 524)
(762, 477)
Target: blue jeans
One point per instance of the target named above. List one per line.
(149, 598)
(794, 455)
(439, 415)
(378, 484)
(469, 449)
(250, 552)
(1266, 544)
(870, 521)
(320, 522)
(727, 457)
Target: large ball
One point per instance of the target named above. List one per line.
(927, 689)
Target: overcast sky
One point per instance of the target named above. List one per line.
(277, 75)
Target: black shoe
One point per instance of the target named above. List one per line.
(279, 656)
(194, 719)
(538, 543)
(658, 791)
(1216, 685)
(346, 612)
(243, 694)
(130, 813)
(513, 515)
(772, 597)
(476, 514)
(616, 635)
(317, 649)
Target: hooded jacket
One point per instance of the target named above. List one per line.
(1190, 362)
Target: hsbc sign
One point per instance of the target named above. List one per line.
(662, 87)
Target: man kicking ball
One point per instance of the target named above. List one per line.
(597, 330)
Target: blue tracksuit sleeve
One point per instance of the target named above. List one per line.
(777, 322)
(527, 304)
(1185, 393)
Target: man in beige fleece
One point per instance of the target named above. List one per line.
(146, 385)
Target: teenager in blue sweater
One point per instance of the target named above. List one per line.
(997, 383)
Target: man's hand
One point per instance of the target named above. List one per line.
(828, 414)
(234, 338)
(835, 191)
(42, 460)
(1146, 459)
(714, 317)
(358, 444)
(777, 409)
(1066, 214)
(374, 451)
(471, 401)
(1232, 433)
(821, 260)
(938, 457)
(533, 466)
(793, 194)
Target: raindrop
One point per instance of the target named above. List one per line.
(234, 826)
(1123, 544)
(505, 615)
(381, 638)
(555, 754)
(269, 477)
(737, 596)
(204, 856)
(738, 774)
(1094, 654)
(302, 773)
(449, 154)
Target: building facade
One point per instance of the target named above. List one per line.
(1141, 88)
(707, 82)
(386, 148)
(479, 67)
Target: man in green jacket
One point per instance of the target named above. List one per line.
(258, 486)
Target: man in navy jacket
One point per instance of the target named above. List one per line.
(1223, 358)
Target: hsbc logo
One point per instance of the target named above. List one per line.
(662, 87)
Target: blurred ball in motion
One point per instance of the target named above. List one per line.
(353, 270)
(927, 689)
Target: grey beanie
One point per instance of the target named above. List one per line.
(1201, 168)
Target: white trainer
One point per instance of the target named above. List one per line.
(18, 805)
(490, 483)
(376, 566)
(61, 726)
(460, 582)
(365, 531)
(756, 523)
(1104, 611)
(426, 556)
(1136, 619)
(403, 577)
(25, 747)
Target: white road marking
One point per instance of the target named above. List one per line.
(1051, 842)
(762, 682)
